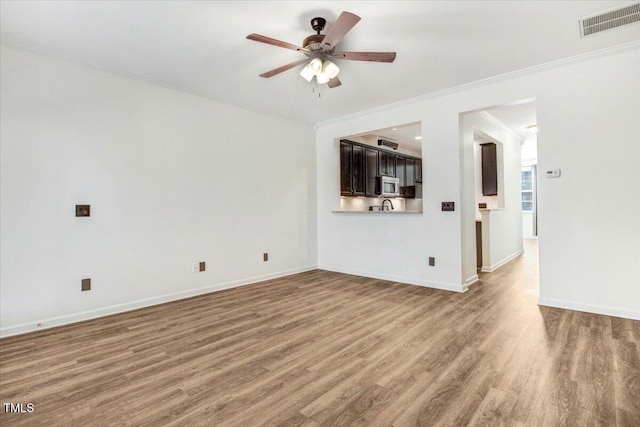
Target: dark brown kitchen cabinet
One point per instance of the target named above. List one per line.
(358, 170)
(401, 174)
(410, 171)
(489, 170)
(352, 169)
(371, 155)
(386, 163)
(418, 171)
(361, 164)
(345, 168)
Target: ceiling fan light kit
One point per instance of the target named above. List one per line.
(322, 78)
(315, 65)
(307, 73)
(330, 69)
(323, 71)
(321, 49)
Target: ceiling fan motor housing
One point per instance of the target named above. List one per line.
(313, 42)
(318, 24)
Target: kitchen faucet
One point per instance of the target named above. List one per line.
(387, 200)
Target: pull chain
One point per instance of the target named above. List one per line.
(313, 88)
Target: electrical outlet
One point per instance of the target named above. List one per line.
(432, 261)
(265, 256)
(83, 210)
(448, 206)
(202, 266)
(195, 268)
(86, 285)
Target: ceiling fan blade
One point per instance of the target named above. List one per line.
(366, 56)
(279, 70)
(334, 82)
(342, 26)
(274, 42)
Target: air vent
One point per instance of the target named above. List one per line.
(609, 19)
(386, 143)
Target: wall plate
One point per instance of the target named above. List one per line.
(83, 210)
(448, 206)
(552, 173)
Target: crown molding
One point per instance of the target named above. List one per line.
(488, 81)
(96, 65)
(499, 123)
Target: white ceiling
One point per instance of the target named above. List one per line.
(405, 135)
(516, 117)
(200, 46)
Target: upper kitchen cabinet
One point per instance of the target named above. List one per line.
(413, 178)
(371, 155)
(418, 171)
(401, 174)
(489, 169)
(352, 169)
(358, 182)
(410, 171)
(391, 152)
(345, 168)
(386, 163)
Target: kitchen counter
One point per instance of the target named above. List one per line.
(379, 212)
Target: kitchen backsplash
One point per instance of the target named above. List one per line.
(363, 203)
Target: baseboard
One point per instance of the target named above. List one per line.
(52, 322)
(399, 279)
(470, 281)
(588, 308)
(499, 264)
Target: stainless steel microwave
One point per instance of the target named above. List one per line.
(387, 186)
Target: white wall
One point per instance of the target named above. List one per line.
(529, 158)
(530, 150)
(587, 111)
(527, 226)
(388, 246)
(172, 179)
(588, 220)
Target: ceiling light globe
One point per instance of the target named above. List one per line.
(316, 65)
(330, 69)
(307, 73)
(322, 78)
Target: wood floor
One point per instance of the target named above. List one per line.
(329, 349)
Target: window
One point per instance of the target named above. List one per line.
(527, 189)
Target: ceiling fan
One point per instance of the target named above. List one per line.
(320, 49)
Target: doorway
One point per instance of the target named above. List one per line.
(498, 222)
